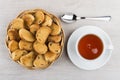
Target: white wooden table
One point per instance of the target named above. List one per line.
(63, 69)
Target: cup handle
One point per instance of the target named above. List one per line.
(110, 47)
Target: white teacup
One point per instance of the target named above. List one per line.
(78, 59)
(101, 37)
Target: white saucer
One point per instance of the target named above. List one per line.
(91, 64)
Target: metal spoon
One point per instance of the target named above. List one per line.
(71, 17)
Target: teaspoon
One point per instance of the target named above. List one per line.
(71, 17)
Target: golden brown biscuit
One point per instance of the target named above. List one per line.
(26, 35)
(34, 28)
(13, 34)
(48, 21)
(28, 18)
(50, 56)
(42, 34)
(17, 54)
(40, 48)
(40, 62)
(25, 45)
(17, 23)
(27, 60)
(56, 38)
(55, 29)
(13, 45)
(39, 15)
(54, 47)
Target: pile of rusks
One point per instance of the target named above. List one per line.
(35, 39)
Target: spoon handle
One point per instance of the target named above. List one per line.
(100, 18)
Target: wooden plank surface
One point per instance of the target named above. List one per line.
(63, 69)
